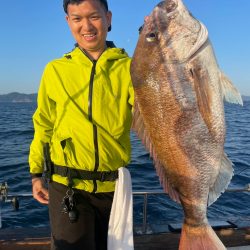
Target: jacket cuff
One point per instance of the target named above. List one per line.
(36, 175)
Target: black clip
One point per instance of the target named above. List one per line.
(47, 168)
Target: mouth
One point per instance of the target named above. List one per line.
(90, 37)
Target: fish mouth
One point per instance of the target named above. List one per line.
(168, 5)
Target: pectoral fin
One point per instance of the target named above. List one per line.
(203, 94)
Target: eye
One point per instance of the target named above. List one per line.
(76, 19)
(151, 37)
(95, 17)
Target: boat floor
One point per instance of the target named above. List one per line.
(39, 239)
(239, 248)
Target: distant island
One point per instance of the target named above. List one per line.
(16, 97)
(246, 98)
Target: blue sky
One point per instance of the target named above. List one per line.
(35, 32)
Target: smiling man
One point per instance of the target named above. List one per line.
(82, 130)
(89, 22)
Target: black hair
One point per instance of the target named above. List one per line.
(67, 2)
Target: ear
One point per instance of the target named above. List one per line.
(109, 18)
(67, 18)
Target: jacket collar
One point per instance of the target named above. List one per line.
(111, 53)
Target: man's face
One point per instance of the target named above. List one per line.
(89, 22)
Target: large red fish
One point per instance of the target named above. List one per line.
(179, 114)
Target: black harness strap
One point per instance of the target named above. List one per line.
(83, 174)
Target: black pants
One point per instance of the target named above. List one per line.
(90, 230)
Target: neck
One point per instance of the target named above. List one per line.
(93, 56)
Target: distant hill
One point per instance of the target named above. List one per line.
(246, 98)
(18, 97)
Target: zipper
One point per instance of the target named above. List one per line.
(91, 85)
(90, 116)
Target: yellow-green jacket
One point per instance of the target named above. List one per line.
(84, 112)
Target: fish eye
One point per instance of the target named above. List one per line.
(151, 37)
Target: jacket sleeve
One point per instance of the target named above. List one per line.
(43, 121)
(131, 94)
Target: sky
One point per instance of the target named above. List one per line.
(32, 33)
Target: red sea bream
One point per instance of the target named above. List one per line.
(179, 115)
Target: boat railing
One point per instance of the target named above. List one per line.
(5, 197)
(146, 194)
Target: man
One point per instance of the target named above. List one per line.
(84, 114)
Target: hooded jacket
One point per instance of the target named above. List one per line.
(84, 112)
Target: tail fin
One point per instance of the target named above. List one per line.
(199, 238)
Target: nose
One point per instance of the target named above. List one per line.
(86, 24)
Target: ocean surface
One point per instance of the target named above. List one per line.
(16, 133)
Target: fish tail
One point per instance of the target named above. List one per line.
(199, 238)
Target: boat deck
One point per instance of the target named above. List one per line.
(234, 233)
(38, 239)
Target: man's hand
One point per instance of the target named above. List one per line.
(40, 193)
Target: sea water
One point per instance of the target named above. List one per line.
(16, 133)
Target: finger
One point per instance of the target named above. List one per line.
(42, 196)
(42, 199)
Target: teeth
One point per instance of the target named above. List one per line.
(89, 35)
